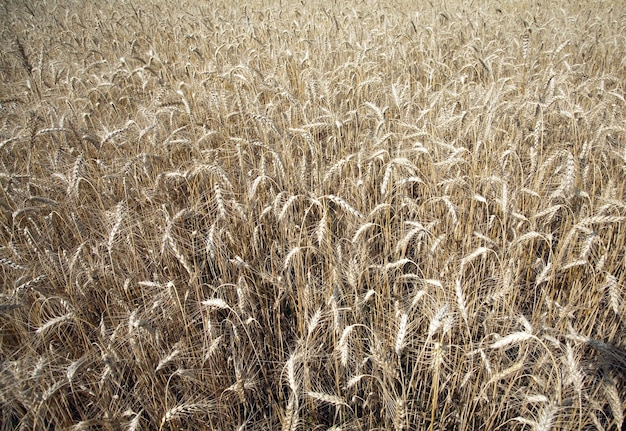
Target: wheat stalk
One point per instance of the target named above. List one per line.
(401, 335)
(273, 217)
(332, 399)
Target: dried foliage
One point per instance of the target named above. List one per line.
(304, 215)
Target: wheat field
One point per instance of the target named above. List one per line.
(285, 215)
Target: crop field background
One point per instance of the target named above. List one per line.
(283, 215)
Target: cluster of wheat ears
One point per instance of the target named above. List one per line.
(357, 216)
